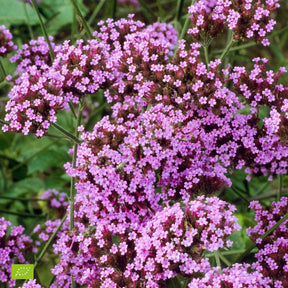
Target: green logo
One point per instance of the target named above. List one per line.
(22, 271)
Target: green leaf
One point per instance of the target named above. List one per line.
(6, 139)
(54, 157)
(60, 13)
(12, 13)
(28, 185)
(56, 181)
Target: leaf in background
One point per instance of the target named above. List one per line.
(27, 186)
(57, 181)
(53, 157)
(6, 139)
(12, 13)
(59, 13)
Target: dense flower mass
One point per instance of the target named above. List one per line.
(144, 211)
(172, 242)
(267, 153)
(31, 284)
(246, 18)
(14, 246)
(6, 44)
(273, 250)
(234, 277)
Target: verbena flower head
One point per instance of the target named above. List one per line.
(31, 284)
(6, 44)
(172, 242)
(272, 257)
(34, 102)
(14, 247)
(235, 277)
(266, 151)
(36, 52)
(247, 19)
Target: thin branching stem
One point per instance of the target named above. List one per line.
(184, 29)
(267, 233)
(22, 214)
(66, 133)
(206, 55)
(227, 49)
(3, 72)
(45, 248)
(51, 52)
(28, 20)
(179, 9)
(96, 11)
(84, 22)
(280, 184)
(72, 184)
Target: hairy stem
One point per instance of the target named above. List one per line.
(96, 11)
(184, 29)
(51, 52)
(28, 21)
(280, 184)
(85, 24)
(66, 133)
(72, 183)
(227, 49)
(179, 9)
(3, 72)
(267, 233)
(206, 55)
(45, 248)
(22, 214)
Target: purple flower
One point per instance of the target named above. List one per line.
(6, 44)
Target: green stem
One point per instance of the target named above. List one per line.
(66, 133)
(217, 258)
(22, 214)
(45, 248)
(239, 194)
(184, 29)
(73, 29)
(3, 72)
(160, 10)
(22, 199)
(96, 11)
(206, 55)
(280, 184)
(236, 48)
(72, 109)
(28, 21)
(72, 184)
(225, 260)
(267, 233)
(3, 122)
(179, 9)
(227, 49)
(51, 52)
(78, 12)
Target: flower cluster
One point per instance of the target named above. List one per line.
(57, 205)
(172, 242)
(13, 245)
(247, 19)
(115, 251)
(234, 277)
(272, 255)
(6, 45)
(31, 284)
(266, 153)
(35, 53)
